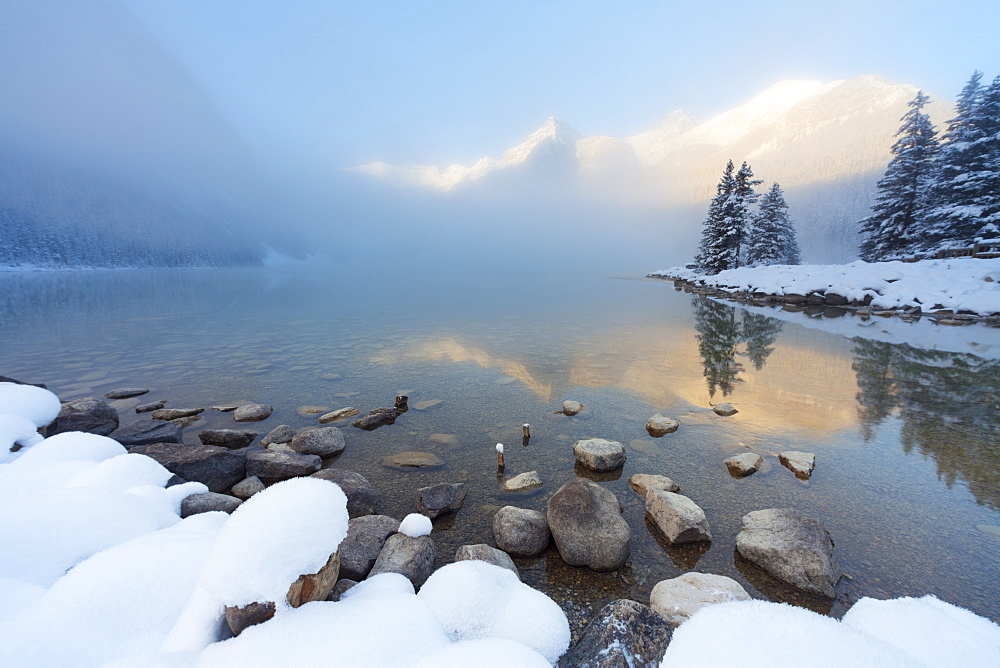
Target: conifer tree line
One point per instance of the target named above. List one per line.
(939, 193)
(735, 235)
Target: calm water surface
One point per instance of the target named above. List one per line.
(907, 440)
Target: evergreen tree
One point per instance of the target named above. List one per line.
(893, 227)
(728, 216)
(770, 236)
(966, 192)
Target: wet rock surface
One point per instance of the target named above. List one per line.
(791, 547)
(587, 526)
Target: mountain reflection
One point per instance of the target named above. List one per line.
(949, 406)
(720, 329)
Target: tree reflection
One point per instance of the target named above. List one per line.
(948, 404)
(720, 330)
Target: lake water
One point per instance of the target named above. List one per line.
(907, 440)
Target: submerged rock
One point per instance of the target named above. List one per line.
(660, 425)
(791, 547)
(151, 406)
(587, 526)
(521, 532)
(339, 414)
(678, 598)
(623, 634)
(680, 519)
(412, 459)
(599, 454)
(523, 482)
(89, 414)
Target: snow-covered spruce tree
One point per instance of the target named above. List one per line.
(770, 237)
(965, 193)
(893, 228)
(728, 217)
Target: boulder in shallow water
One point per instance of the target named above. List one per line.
(175, 413)
(587, 526)
(151, 406)
(744, 464)
(678, 598)
(793, 548)
(521, 532)
(570, 407)
(252, 413)
(641, 483)
(126, 392)
(623, 634)
(799, 463)
(599, 454)
(441, 499)
(89, 414)
(377, 418)
(660, 425)
(322, 441)
(680, 519)
(725, 410)
(523, 482)
(283, 433)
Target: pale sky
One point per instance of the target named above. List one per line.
(339, 83)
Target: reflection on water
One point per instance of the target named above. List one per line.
(906, 440)
(949, 404)
(720, 329)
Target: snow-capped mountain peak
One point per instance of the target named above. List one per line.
(553, 133)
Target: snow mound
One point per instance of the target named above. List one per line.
(33, 403)
(900, 632)
(475, 600)
(16, 430)
(484, 653)
(415, 525)
(383, 583)
(289, 529)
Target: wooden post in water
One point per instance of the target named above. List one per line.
(499, 456)
(526, 433)
(401, 400)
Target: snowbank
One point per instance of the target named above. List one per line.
(960, 284)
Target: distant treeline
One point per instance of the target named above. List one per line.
(57, 218)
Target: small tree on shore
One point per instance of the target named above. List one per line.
(771, 237)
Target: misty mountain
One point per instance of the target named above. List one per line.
(110, 153)
(826, 144)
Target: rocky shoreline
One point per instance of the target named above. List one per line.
(826, 304)
(582, 519)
